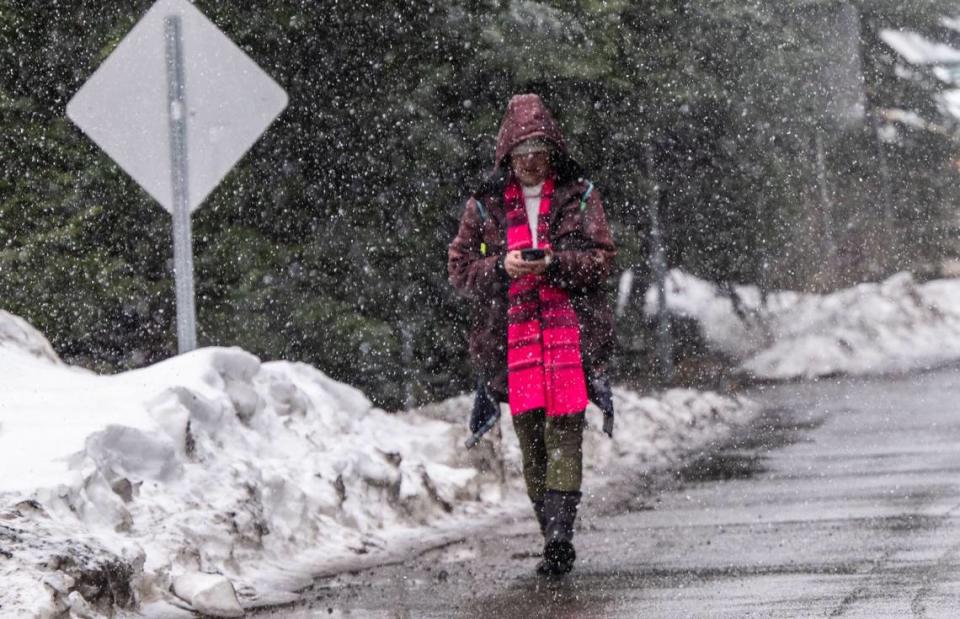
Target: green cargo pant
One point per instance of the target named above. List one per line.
(552, 450)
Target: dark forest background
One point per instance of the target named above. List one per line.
(789, 147)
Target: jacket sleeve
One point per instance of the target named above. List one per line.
(590, 265)
(472, 274)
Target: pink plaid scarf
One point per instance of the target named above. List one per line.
(544, 367)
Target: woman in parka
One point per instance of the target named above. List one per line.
(543, 325)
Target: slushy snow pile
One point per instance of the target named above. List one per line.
(214, 481)
(896, 325)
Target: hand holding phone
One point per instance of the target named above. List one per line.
(520, 262)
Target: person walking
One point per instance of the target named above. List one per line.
(533, 251)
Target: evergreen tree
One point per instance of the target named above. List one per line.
(327, 243)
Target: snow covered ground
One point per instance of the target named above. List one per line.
(875, 328)
(215, 481)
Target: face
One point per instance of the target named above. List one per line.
(532, 168)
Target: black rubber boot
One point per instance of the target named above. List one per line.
(560, 510)
(541, 517)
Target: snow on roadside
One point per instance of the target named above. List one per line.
(873, 328)
(213, 480)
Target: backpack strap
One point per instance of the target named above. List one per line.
(586, 195)
(482, 211)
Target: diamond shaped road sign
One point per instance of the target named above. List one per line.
(125, 108)
(176, 105)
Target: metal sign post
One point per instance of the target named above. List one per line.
(135, 107)
(182, 234)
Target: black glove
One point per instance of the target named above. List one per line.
(486, 412)
(600, 393)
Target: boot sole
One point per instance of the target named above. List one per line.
(558, 559)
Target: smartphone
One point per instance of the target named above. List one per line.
(532, 254)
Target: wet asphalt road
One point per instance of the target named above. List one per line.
(843, 500)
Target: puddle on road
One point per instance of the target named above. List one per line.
(743, 456)
(570, 598)
(775, 428)
(909, 523)
(723, 466)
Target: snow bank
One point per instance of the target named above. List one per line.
(917, 49)
(874, 328)
(18, 333)
(213, 481)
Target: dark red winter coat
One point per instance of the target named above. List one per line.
(582, 244)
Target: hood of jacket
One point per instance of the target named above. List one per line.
(527, 117)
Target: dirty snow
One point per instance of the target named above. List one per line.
(897, 325)
(214, 480)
